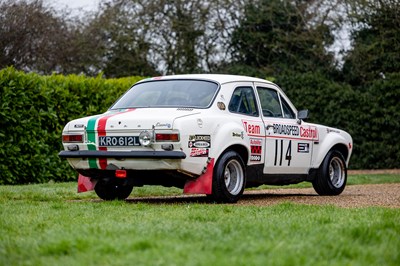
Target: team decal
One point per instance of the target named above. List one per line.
(101, 122)
(296, 131)
(252, 128)
(199, 141)
(199, 152)
(303, 147)
(255, 149)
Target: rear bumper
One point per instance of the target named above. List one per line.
(124, 154)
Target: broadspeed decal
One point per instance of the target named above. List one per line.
(101, 122)
(296, 131)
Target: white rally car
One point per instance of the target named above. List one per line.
(208, 134)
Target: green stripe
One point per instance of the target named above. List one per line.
(92, 139)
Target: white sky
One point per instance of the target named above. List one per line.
(73, 5)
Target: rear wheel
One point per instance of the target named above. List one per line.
(229, 178)
(332, 175)
(113, 189)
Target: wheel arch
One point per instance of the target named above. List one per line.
(241, 150)
(342, 148)
(332, 141)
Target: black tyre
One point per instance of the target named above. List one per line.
(113, 189)
(229, 178)
(332, 175)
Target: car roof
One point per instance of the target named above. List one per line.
(220, 78)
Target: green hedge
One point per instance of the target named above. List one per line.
(34, 110)
(371, 114)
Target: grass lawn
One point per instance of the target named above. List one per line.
(49, 224)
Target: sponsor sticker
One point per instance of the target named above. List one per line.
(303, 147)
(257, 142)
(196, 152)
(256, 150)
(309, 132)
(199, 141)
(239, 135)
(295, 131)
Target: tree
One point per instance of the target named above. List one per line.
(182, 36)
(122, 49)
(28, 33)
(376, 41)
(278, 36)
(34, 37)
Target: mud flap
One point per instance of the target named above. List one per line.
(85, 183)
(203, 184)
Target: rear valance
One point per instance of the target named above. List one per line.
(120, 154)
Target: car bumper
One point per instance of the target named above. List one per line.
(124, 154)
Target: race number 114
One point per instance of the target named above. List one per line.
(279, 151)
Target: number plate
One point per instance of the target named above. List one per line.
(107, 141)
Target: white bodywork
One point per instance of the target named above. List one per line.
(279, 145)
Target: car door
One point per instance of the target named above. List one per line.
(244, 105)
(286, 152)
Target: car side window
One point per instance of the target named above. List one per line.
(270, 103)
(243, 101)
(287, 111)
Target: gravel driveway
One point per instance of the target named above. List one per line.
(383, 195)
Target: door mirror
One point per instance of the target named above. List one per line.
(303, 114)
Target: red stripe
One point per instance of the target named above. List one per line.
(101, 131)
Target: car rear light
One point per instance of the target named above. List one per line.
(174, 137)
(120, 173)
(72, 138)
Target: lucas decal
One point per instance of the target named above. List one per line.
(199, 141)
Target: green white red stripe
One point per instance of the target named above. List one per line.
(101, 122)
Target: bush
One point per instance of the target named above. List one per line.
(34, 110)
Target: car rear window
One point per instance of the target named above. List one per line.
(169, 93)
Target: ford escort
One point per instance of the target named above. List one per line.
(207, 134)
